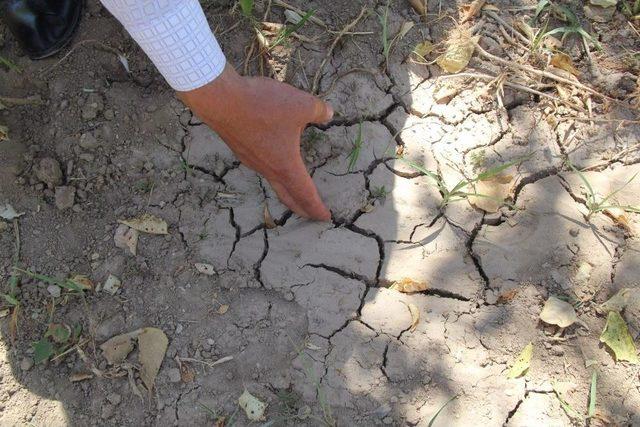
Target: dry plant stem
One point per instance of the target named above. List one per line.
(348, 27)
(73, 49)
(346, 73)
(301, 12)
(615, 158)
(209, 364)
(517, 86)
(29, 100)
(231, 28)
(546, 74)
(504, 23)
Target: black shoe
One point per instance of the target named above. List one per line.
(42, 27)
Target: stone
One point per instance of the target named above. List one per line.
(26, 363)
(48, 171)
(65, 197)
(92, 107)
(174, 375)
(114, 398)
(88, 141)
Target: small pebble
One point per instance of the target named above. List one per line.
(174, 375)
(26, 363)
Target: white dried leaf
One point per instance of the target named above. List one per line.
(292, 17)
(8, 212)
(146, 223)
(205, 268)
(558, 312)
(111, 285)
(252, 406)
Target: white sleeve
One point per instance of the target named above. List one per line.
(176, 37)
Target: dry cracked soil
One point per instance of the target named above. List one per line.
(312, 325)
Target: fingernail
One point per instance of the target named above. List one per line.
(329, 111)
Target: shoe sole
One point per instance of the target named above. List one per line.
(68, 36)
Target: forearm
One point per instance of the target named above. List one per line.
(176, 37)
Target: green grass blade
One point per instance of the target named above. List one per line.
(247, 7)
(619, 189)
(355, 152)
(572, 413)
(384, 21)
(433, 419)
(589, 37)
(568, 14)
(496, 170)
(66, 284)
(592, 193)
(419, 168)
(592, 395)
(9, 64)
(542, 4)
(626, 208)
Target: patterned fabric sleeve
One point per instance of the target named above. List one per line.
(176, 37)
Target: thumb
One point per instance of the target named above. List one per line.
(321, 111)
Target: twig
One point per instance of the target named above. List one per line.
(546, 74)
(209, 364)
(29, 100)
(301, 12)
(615, 158)
(348, 27)
(70, 349)
(231, 28)
(514, 86)
(501, 21)
(73, 49)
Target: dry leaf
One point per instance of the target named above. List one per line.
(491, 193)
(111, 285)
(205, 268)
(407, 285)
(80, 376)
(126, 238)
(564, 62)
(558, 312)
(8, 212)
(4, 133)
(619, 216)
(415, 316)
(291, 16)
(269, 223)
(147, 223)
(468, 11)
(522, 363)
(223, 309)
(604, 3)
(616, 336)
(187, 374)
(117, 348)
(551, 43)
(460, 47)
(252, 406)
(83, 282)
(420, 6)
(622, 299)
(423, 49)
(507, 296)
(525, 28)
(404, 29)
(4, 312)
(152, 346)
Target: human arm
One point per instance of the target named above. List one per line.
(260, 119)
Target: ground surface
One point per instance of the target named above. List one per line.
(311, 325)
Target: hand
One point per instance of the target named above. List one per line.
(261, 120)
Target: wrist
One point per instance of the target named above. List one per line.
(214, 101)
